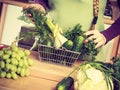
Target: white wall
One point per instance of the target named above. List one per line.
(12, 24)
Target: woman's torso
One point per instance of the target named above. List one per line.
(68, 13)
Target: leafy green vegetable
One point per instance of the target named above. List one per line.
(72, 33)
(116, 67)
(88, 49)
(41, 28)
(116, 74)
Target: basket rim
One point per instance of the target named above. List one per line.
(58, 48)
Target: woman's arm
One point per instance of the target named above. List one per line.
(106, 35)
(44, 3)
(112, 31)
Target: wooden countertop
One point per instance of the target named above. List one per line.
(44, 76)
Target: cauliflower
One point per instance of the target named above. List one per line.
(90, 78)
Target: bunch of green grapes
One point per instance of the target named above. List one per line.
(14, 61)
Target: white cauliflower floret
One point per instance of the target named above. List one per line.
(95, 75)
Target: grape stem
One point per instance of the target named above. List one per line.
(16, 41)
(35, 43)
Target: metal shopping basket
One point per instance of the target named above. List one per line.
(57, 56)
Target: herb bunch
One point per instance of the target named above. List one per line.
(87, 48)
(72, 33)
(116, 74)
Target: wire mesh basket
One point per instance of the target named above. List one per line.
(57, 56)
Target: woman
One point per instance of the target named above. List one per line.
(68, 13)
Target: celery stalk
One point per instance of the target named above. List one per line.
(59, 38)
(50, 24)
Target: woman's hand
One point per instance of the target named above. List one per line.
(35, 7)
(99, 38)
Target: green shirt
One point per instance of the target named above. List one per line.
(68, 13)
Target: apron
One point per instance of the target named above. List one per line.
(68, 13)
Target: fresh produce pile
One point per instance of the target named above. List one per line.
(14, 62)
(73, 39)
(93, 75)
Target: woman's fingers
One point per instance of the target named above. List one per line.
(99, 44)
(89, 32)
(92, 37)
(98, 38)
(25, 7)
(35, 7)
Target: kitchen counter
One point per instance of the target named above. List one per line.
(43, 76)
